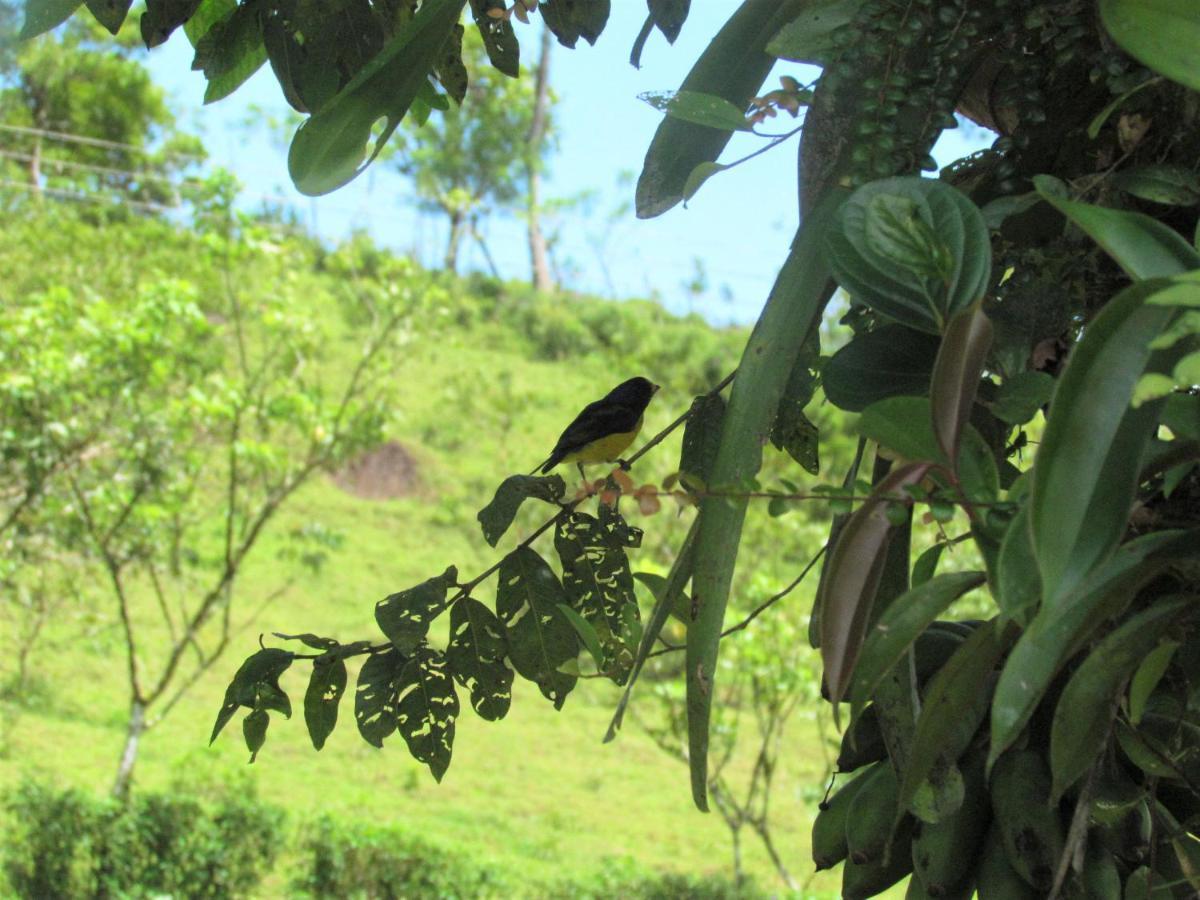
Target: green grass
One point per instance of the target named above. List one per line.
(480, 393)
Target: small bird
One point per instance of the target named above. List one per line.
(603, 429)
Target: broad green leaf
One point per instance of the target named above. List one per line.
(956, 375)
(700, 109)
(587, 635)
(792, 431)
(43, 15)
(666, 601)
(1058, 631)
(254, 730)
(1142, 246)
(325, 689)
(733, 68)
(476, 654)
(926, 565)
(1088, 703)
(1019, 586)
(571, 20)
(376, 695)
(426, 707)
(596, 576)
(889, 361)
(680, 607)
(499, 39)
(540, 639)
(902, 622)
(1149, 673)
(914, 249)
(162, 17)
(1020, 396)
(1168, 184)
(668, 16)
(330, 148)
(405, 616)
(792, 311)
(450, 72)
(256, 684)
(1161, 34)
(808, 38)
(853, 577)
(497, 516)
(109, 13)
(698, 176)
(701, 437)
(955, 705)
(1086, 470)
(230, 50)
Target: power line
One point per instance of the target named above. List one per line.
(90, 141)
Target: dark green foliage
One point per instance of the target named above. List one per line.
(476, 656)
(67, 844)
(571, 20)
(377, 694)
(405, 616)
(495, 518)
(325, 689)
(701, 437)
(426, 707)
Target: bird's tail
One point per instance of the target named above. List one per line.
(546, 465)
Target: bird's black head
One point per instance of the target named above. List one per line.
(634, 393)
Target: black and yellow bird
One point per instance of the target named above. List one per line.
(603, 429)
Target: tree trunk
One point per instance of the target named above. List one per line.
(533, 156)
(458, 226)
(133, 735)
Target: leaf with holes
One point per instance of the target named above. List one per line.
(449, 69)
(256, 685)
(376, 695)
(499, 39)
(540, 639)
(699, 109)
(325, 690)
(476, 656)
(426, 707)
(497, 516)
(701, 435)
(405, 616)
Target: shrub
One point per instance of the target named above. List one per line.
(67, 844)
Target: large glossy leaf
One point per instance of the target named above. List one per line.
(956, 375)
(1058, 631)
(405, 616)
(476, 656)
(330, 149)
(792, 311)
(852, 579)
(1162, 34)
(498, 515)
(325, 689)
(733, 67)
(540, 639)
(376, 694)
(1087, 465)
(891, 360)
(1142, 246)
(426, 707)
(1088, 703)
(901, 623)
(808, 38)
(914, 249)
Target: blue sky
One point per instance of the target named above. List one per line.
(737, 228)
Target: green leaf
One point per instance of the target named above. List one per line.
(254, 730)
(1088, 703)
(1093, 129)
(699, 109)
(256, 685)
(1161, 34)
(540, 639)
(1020, 397)
(162, 17)
(309, 640)
(451, 74)
(476, 656)
(426, 707)
(229, 45)
(701, 437)
(889, 361)
(1162, 183)
(956, 376)
(901, 623)
(1086, 470)
(680, 606)
(733, 68)
(497, 516)
(668, 16)
(926, 565)
(914, 249)
(792, 311)
(325, 689)
(109, 13)
(1142, 246)
(587, 635)
(376, 695)
(499, 39)
(1019, 586)
(792, 431)
(43, 15)
(330, 149)
(698, 176)
(405, 616)
(1058, 631)
(852, 579)
(572, 19)
(955, 705)
(808, 38)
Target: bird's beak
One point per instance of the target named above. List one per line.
(654, 389)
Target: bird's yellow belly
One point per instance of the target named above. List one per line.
(605, 449)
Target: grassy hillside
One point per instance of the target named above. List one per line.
(484, 379)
